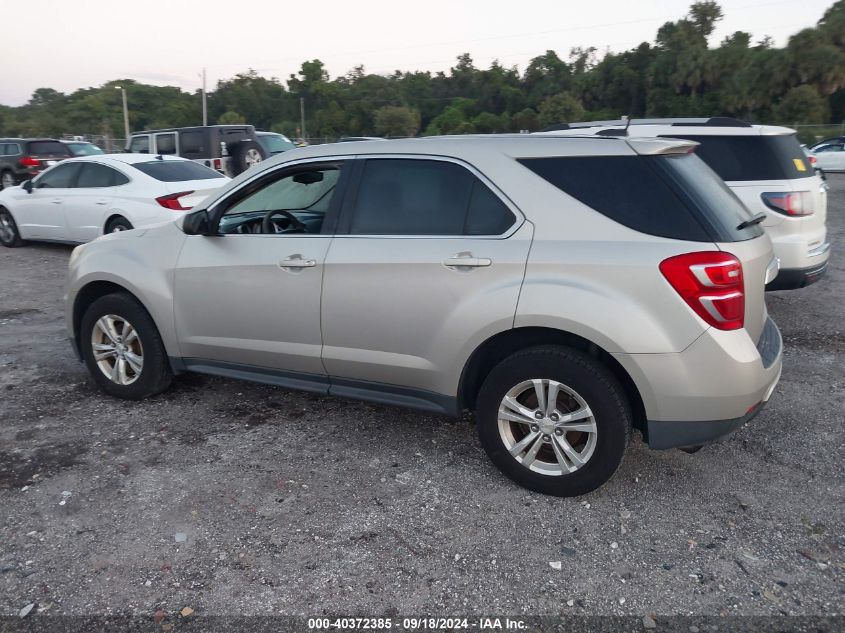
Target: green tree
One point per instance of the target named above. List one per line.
(230, 117)
(802, 104)
(561, 108)
(396, 121)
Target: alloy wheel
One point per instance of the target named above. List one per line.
(7, 180)
(547, 427)
(117, 349)
(7, 230)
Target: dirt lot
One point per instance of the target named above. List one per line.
(232, 498)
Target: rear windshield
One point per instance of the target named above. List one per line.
(675, 196)
(48, 148)
(84, 149)
(744, 158)
(176, 170)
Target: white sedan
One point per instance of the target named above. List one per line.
(82, 198)
(830, 154)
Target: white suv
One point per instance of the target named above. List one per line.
(765, 167)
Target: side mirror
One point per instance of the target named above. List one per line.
(27, 186)
(196, 223)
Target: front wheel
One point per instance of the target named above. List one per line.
(554, 420)
(123, 349)
(7, 180)
(9, 234)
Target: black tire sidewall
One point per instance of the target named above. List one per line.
(239, 151)
(155, 373)
(119, 221)
(593, 382)
(16, 240)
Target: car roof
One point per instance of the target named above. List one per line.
(127, 159)
(712, 126)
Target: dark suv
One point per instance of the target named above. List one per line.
(230, 149)
(25, 158)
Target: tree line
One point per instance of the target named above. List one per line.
(678, 74)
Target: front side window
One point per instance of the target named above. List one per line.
(296, 202)
(425, 197)
(140, 145)
(94, 175)
(60, 177)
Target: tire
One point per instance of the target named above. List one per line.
(115, 225)
(113, 313)
(10, 237)
(584, 386)
(245, 154)
(7, 179)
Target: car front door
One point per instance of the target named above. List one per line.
(428, 262)
(40, 213)
(247, 299)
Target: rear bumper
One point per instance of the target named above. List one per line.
(794, 278)
(710, 389)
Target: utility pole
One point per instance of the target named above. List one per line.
(204, 102)
(125, 113)
(302, 116)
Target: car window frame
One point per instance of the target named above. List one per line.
(218, 207)
(348, 209)
(63, 164)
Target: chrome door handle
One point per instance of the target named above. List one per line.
(466, 260)
(101, 201)
(56, 200)
(296, 261)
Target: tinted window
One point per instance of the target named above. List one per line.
(166, 144)
(742, 158)
(829, 148)
(96, 175)
(625, 189)
(60, 177)
(412, 197)
(193, 142)
(176, 170)
(48, 148)
(140, 145)
(716, 204)
(274, 143)
(487, 214)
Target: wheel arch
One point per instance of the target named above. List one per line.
(113, 215)
(501, 345)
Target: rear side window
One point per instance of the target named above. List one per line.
(425, 197)
(176, 170)
(140, 145)
(624, 188)
(166, 144)
(94, 175)
(193, 142)
(48, 148)
(747, 158)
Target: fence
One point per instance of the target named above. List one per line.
(809, 134)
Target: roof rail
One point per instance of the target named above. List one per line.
(715, 121)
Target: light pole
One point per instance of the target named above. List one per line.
(125, 112)
(204, 102)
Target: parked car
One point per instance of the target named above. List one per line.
(82, 198)
(25, 158)
(813, 162)
(274, 143)
(766, 168)
(83, 148)
(565, 289)
(830, 154)
(229, 149)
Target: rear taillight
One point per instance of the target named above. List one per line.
(812, 160)
(711, 284)
(793, 203)
(29, 161)
(171, 201)
(218, 164)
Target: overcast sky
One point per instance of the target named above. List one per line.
(70, 44)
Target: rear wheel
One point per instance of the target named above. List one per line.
(245, 154)
(118, 224)
(123, 349)
(554, 420)
(9, 234)
(7, 179)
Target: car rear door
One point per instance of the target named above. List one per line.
(428, 259)
(87, 204)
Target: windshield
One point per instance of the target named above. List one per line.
(275, 143)
(176, 170)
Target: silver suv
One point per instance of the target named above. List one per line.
(567, 290)
(766, 168)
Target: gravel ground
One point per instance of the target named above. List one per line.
(239, 499)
